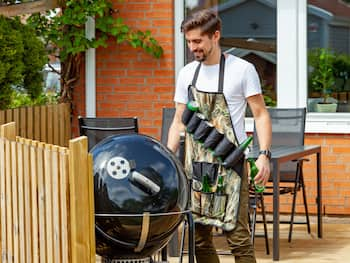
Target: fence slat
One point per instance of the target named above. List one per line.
(30, 123)
(50, 121)
(48, 199)
(8, 206)
(23, 128)
(61, 116)
(41, 203)
(15, 212)
(56, 233)
(3, 201)
(16, 119)
(68, 123)
(37, 123)
(2, 117)
(79, 179)
(28, 210)
(63, 180)
(55, 130)
(43, 124)
(20, 199)
(34, 162)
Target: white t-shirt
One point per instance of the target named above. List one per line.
(240, 82)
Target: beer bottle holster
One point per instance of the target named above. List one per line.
(211, 207)
(203, 156)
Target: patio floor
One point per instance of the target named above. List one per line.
(304, 248)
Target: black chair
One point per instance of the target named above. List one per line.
(97, 129)
(256, 201)
(288, 128)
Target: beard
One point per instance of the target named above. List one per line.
(200, 55)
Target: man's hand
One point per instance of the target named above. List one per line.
(263, 164)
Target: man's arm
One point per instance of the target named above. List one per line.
(176, 128)
(264, 132)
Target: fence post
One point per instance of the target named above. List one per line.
(81, 202)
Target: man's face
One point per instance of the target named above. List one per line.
(201, 45)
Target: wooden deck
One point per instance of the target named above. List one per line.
(304, 248)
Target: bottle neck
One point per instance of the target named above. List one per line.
(244, 145)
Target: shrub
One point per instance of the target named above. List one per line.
(22, 57)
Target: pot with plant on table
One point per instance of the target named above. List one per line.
(322, 79)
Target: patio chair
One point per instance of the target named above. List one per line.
(97, 129)
(256, 201)
(288, 128)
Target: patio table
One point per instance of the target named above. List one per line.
(281, 154)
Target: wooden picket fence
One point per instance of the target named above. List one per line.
(46, 198)
(47, 123)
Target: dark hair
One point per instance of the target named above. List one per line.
(207, 20)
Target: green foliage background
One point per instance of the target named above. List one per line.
(22, 57)
(65, 32)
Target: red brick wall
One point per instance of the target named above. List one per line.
(335, 168)
(130, 82)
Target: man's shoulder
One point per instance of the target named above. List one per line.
(188, 70)
(190, 66)
(237, 61)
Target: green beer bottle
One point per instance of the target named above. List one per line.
(206, 196)
(205, 184)
(220, 186)
(220, 199)
(253, 172)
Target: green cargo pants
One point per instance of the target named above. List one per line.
(238, 239)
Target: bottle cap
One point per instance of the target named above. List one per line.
(193, 105)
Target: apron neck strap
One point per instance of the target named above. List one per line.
(221, 74)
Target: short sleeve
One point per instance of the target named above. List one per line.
(250, 82)
(181, 90)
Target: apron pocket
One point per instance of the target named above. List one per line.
(206, 203)
(202, 202)
(196, 201)
(210, 169)
(219, 206)
(199, 169)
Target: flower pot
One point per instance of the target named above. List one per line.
(326, 107)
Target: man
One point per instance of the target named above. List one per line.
(222, 85)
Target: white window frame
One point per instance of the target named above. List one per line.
(291, 65)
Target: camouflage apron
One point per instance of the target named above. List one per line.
(200, 160)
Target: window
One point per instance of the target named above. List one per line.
(328, 32)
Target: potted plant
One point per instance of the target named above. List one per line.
(322, 78)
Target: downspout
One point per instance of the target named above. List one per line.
(179, 38)
(90, 71)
